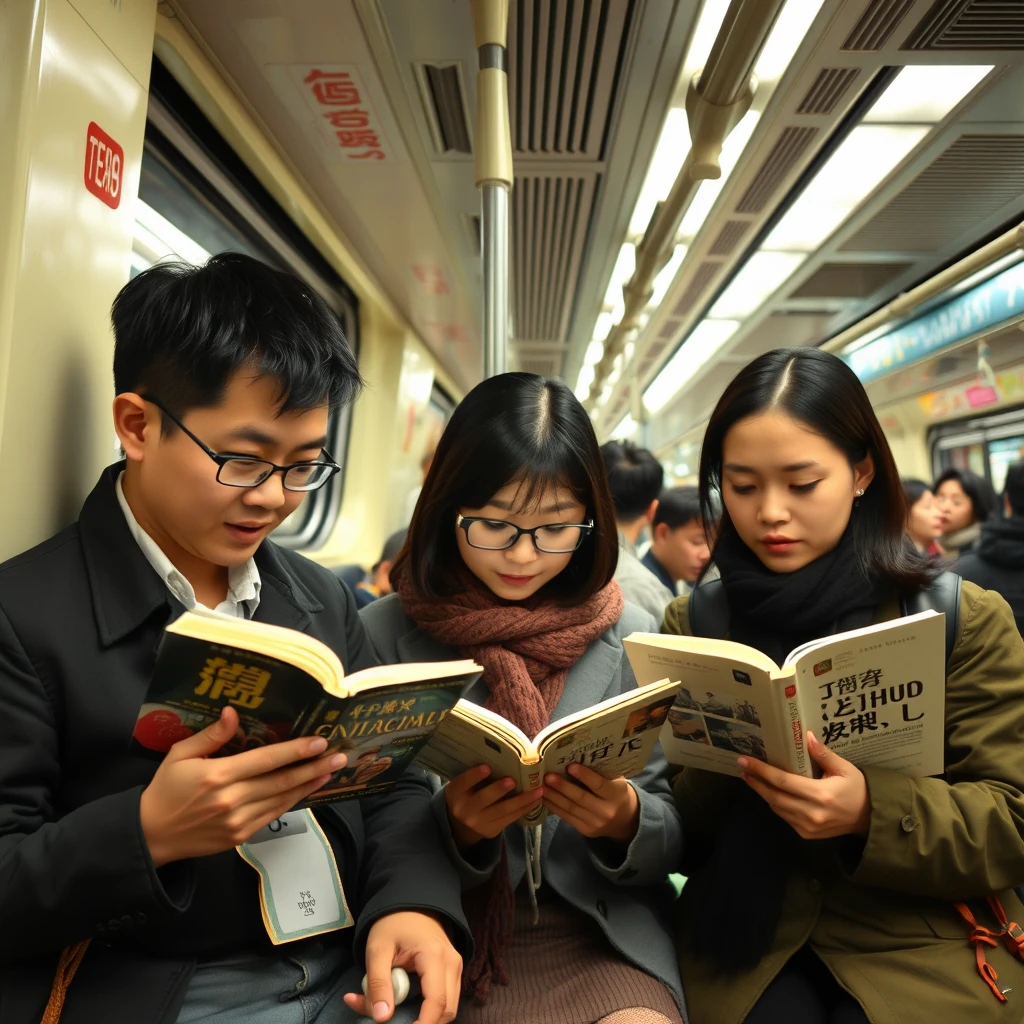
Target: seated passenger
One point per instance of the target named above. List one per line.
(679, 546)
(510, 560)
(997, 561)
(924, 518)
(965, 500)
(224, 376)
(819, 901)
(378, 584)
(635, 478)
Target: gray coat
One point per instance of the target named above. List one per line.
(629, 897)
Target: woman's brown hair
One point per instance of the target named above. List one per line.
(512, 428)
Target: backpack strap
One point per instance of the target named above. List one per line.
(942, 596)
(709, 610)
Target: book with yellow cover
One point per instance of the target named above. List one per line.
(285, 684)
(876, 696)
(615, 738)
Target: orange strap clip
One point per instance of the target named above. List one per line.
(1009, 931)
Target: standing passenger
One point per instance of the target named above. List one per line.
(997, 561)
(679, 545)
(509, 561)
(635, 478)
(828, 900)
(924, 518)
(965, 500)
(224, 375)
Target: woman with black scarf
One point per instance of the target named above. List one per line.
(832, 900)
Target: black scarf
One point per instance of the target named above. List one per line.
(738, 899)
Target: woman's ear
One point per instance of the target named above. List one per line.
(863, 473)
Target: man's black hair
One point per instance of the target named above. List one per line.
(635, 477)
(1015, 488)
(678, 506)
(181, 332)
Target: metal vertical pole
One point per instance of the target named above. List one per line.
(493, 174)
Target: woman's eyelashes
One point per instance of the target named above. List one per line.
(798, 488)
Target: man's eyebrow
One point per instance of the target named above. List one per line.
(257, 436)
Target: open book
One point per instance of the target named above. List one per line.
(286, 684)
(876, 696)
(614, 738)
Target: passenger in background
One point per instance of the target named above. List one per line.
(924, 518)
(378, 583)
(635, 478)
(997, 561)
(965, 500)
(224, 377)
(509, 561)
(414, 495)
(828, 900)
(679, 546)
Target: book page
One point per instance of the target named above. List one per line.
(877, 695)
(614, 738)
(726, 705)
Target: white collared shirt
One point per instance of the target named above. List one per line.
(243, 597)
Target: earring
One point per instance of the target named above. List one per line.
(860, 492)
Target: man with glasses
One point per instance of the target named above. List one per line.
(121, 894)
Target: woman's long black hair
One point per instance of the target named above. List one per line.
(824, 394)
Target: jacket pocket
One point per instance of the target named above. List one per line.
(944, 922)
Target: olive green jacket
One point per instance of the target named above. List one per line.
(879, 912)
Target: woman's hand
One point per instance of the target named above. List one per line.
(478, 812)
(596, 807)
(837, 804)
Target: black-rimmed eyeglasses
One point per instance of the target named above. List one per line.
(244, 471)
(498, 535)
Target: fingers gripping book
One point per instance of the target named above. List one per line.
(285, 684)
(615, 738)
(875, 696)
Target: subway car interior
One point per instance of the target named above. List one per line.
(692, 183)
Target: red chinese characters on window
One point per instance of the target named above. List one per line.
(338, 90)
(432, 279)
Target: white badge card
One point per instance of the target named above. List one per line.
(300, 885)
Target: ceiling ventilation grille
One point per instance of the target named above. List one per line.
(728, 238)
(544, 364)
(563, 63)
(878, 22)
(701, 279)
(549, 220)
(669, 329)
(446, 107)
(784, 154)
(969, 183)
(848, 280)
(970, 25)
(827, 90)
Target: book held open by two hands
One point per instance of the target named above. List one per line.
(285, 684)
(875, 696)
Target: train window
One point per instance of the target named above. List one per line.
(197, 198)
(985, 445)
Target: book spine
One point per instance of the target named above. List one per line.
(794, 726)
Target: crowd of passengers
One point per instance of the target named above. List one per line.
(829, 900)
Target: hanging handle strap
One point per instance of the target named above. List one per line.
(70, 959)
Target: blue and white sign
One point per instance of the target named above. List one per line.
(988, 304)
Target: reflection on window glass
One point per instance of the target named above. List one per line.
(1001, 454)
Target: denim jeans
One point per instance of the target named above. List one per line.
(303, 985)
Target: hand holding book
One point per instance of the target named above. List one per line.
(837, 804)
(596, 807)
(481, 808)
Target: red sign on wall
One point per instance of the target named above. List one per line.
(104, 166)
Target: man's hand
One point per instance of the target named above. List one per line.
(595, 806)
(837, 804)
(478, 812)
(418, 943)
(196, 805)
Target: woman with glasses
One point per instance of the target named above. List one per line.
(509, 560)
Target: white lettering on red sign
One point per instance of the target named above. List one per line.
(104, 166)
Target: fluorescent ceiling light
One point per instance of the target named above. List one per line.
(603, 326)
(673, 145)
(595, 350)
(712, 15)
(583, 382)
(925, 93)
(758, 278)
(158, 238)
(786, 36)
(667, 275)
(625, 264)
(703, 342)
(850, 175)
(606, 393)
(732, 149)
(625, 430)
